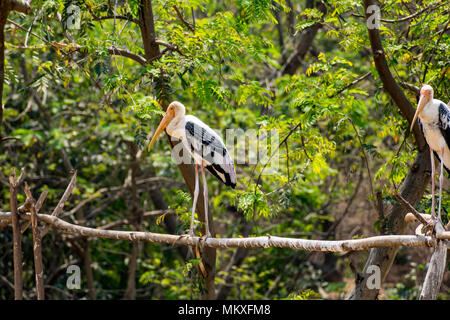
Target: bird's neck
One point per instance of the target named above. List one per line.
(176, 126)
(430, 112)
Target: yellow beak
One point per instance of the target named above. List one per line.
(421, 104)
(162, 125)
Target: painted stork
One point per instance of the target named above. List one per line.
(434, 119)
(204, 145)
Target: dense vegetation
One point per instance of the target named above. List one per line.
(72, 100)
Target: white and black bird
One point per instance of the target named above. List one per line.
(434, 119)
(204, 145)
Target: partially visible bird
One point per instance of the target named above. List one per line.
(434, 118)
(206, 148)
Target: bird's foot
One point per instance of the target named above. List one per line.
(203, 238)
(430, 228)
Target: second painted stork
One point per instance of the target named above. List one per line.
(204, 145)
(434, 119)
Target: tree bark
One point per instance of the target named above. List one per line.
(147, 25)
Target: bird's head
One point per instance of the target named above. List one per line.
(175, 109)
(426, 95)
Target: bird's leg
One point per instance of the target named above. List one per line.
(191, 228)
(433, 173)
(441, 179)
(205, 197)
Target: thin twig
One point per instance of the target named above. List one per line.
(351, 84)
(57, 211)
(410, 208)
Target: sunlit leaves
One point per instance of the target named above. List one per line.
(252, 202)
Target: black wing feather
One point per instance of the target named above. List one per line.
(214, 169)
(444, 122)
(209, 148)
(444, 127)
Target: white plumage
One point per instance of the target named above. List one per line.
(204, 145)
(434, 119)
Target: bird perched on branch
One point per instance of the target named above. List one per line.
(434, 119)
(204, 145)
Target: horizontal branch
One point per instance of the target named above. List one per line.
(251, 242)
(127, 54)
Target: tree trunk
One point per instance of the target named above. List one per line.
(412, 190)
(152, 52)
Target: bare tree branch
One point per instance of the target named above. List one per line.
(127, 54)
(252, 242)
